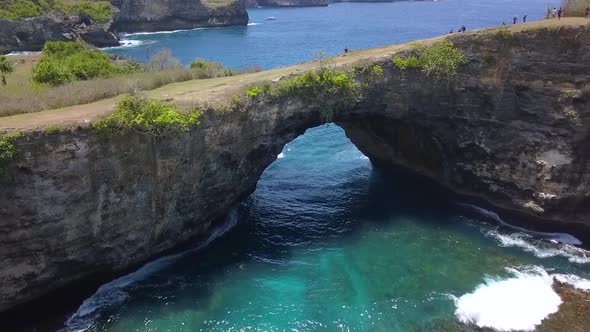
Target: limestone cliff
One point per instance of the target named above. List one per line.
(513, 129)
(160, 15)
(30, 34)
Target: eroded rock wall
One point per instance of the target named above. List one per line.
(161, 15)
(512, 129)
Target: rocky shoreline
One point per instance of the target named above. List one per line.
(30, 34)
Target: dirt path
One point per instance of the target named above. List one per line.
(217, 90)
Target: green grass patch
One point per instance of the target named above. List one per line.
(146, 116)
(440, 61)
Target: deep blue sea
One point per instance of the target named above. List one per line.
(327, 242)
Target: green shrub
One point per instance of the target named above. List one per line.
(163, 60)
(254, 92)
(150, 117)
(100, 11)
(6, 67)
(8, 151)
(440, 60)
(411, 62)
(18, 9)
(210, 69)
(65, 62)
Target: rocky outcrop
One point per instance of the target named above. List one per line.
(287, 3)
(145, 15)
(304, 3)
(31, 34)
(512, 129)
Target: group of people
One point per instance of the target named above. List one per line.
(556, 13)
(515, 19)
(461, 29)
(559, 13)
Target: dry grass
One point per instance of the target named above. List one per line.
(575, 8)
(22, 96)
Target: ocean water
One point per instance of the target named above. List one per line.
(298, 34)
(327, 242)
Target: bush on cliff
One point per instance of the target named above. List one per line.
(210, 69)
(440, 61)
(65, 62)
(328, 88)
(150, 117)
(100, 11)
(6, 68)
(8, 151)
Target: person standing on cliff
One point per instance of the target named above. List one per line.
(588, 12)
(554, 12)
(524, 18)
(514, 19)
(559, 13)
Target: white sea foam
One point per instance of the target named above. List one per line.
(113, 293)
(540, 247)
(253, 23)
(517, 303)
(23, 53)
(573, 280)
(281, 155)
(128, 43)
(159, 32)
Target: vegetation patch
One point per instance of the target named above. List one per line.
(6, 68)
(24, 95)
(147, 116)
(100, 11)
(9, 151)
(328, 88)
(440, 61)
(66, 62)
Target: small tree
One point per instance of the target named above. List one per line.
(6, 67)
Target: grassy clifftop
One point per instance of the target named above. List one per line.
(100, 11)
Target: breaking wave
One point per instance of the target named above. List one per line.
(159, 32)
(540, 247)
(498, 303)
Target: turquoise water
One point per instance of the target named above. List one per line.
(327, 242)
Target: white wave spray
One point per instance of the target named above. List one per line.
(113, 293)
(518, 303)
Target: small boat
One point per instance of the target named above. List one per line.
(270, 18)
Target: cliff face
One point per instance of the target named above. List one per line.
(160, 15)
(288, 3)
(31, 34)
(513, 129)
